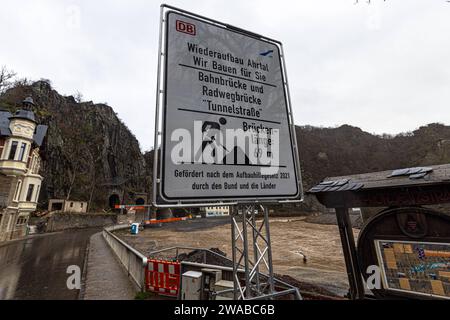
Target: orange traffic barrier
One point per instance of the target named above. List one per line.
(165, 220)
(137, 208)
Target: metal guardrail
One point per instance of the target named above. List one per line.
(178, 249)
(133, 261)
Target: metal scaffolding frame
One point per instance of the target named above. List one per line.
(251, 249)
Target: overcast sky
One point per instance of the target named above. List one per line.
(382, 66)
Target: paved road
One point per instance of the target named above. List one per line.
(35, 268)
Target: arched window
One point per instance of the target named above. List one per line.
(12, 150)
(17, 193)
(30, 192)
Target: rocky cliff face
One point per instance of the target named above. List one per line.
(346, 150)
(326, 152)
(89, 152)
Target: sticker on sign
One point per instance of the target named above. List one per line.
(185, 27)
(226, 132)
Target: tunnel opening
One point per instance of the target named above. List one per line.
(113, 201)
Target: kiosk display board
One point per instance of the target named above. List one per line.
(415, 267)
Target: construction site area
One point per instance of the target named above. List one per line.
(307, 255)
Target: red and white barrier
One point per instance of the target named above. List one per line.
(163, 277)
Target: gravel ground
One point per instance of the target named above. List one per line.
(331, 220)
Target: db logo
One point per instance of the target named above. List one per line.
(185, 27)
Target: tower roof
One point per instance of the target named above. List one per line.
(28, 100)
(39, 136)
(6, 117)
(24, 114)
(4, 123)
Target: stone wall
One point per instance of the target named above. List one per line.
(65, 221)
(8, 225)
(5, 189)
(19, 232)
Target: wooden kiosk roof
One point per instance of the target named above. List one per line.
(400, 187)
(393, 188)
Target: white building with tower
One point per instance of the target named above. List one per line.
(20, 182)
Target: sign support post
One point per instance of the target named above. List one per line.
(252, 249)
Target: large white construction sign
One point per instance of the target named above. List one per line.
(226, 131)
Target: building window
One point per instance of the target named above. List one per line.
(21, 220)
(12, 151)
(30, 192)
(17, 193)
(71, 204)
(9, 226)
(37, 164)
(37, 194)
(81, 204)
(23, 147)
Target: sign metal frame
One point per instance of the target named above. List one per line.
(158, 164)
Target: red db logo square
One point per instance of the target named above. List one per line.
(185, 27)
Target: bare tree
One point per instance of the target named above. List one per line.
(368, 1)
(72, 181)
(78, 97)
(6, 77)
(22, 82)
